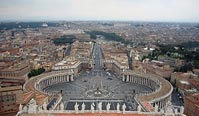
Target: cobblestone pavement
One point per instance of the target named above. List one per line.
(98, 85)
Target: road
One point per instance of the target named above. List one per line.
(98, 78)
(176, 101)
(97, 57)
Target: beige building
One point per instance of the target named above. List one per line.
(10, 98)
(196, 71)
(160, 68)
(176, 77)
(17, 71)
(81, 49)
(114, 59)
(83, 52)
(69, 63)
(181, 80)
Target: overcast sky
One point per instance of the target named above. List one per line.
(135, 10)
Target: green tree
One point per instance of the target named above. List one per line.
(196, 64)
(186, 67)
(108, 36)
(64, 39)
(35, 72)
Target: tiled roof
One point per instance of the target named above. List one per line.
(194, 83)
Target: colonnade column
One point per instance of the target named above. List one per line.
(127, 78)
(67, 78)
(123, 78)
(71, 78)
(130, 78)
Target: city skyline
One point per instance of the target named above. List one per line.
(125, 10)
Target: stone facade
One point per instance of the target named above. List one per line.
(10, 98)
(17, 71)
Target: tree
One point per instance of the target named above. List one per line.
(196, 64)
(186, 67)
(108, 36)
(64, 39)
(35, 72)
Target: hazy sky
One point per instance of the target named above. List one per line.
(136, 10)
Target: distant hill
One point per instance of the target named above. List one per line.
(12, 25)
(197, 26)
(190, 44)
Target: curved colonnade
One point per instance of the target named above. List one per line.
(162, 89)
(160, 96)
(52, 78)
(154, 84)
(46, 79)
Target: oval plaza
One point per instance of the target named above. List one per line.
(99, 83)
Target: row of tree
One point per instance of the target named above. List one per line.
(12, 25)
(108, 36)
(191, 57)
(190, 44)
(64, 39)
(169, 50)
(188, 66)
(35, 72)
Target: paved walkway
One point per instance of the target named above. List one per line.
(100, 114)
(88, 114)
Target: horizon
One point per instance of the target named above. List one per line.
(132, 21)
(182, 11)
